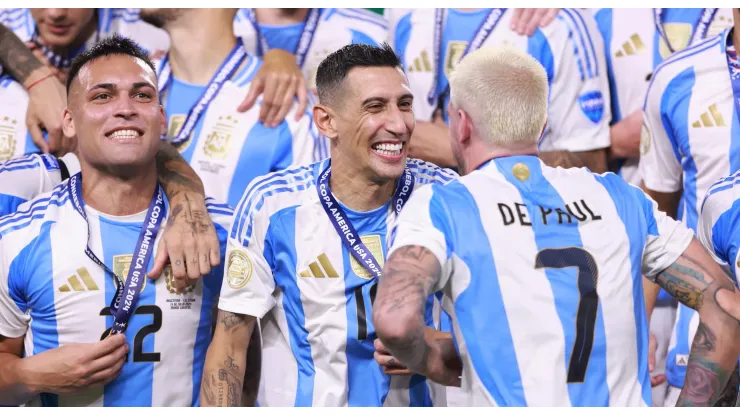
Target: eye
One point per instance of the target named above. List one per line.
(101, 96)
(143, 95)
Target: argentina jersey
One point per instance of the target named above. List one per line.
(634, 47)
(288, 267)
(26, 177)
(228, 148)
(53, 294)
(546, 311)
(570, 49)
(334, 29)
(15, 140)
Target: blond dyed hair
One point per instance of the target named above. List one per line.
(505, 93)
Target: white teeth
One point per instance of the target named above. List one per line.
(124, 134)
(388, 149)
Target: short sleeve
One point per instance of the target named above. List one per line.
(13, 321)
(667, 238)
(423, 222)
(659, 164)
(248, 285)
(718, 221)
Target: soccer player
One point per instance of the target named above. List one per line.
(430, 42)
(202, 80)
(56, 281)
(534, 287)
(687, 144)
(307, 244)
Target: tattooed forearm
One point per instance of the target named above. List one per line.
(15, 57)
(594, 160)
(704, 378)
(685, 280)
(222, 388)
(175, 174)
(231, 320)
(728, 397)
(398, 312)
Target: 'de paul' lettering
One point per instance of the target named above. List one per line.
(572, 213)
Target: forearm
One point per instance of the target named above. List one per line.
(175, 174)
(594, 160)
(253, 371)
(430, 143)
(15, 386)
(18, 60)
(226, 362)
(625, 137)
(443, 364)
(651, 296)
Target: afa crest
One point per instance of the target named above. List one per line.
(121, 266)
(169, 278)
(173, 128)
(455, 50)
(8, 141)
(218, 142)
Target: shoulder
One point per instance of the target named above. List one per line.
(721, 196)
(426, 173)
(686, 59)
(25, 223)
(19, 21)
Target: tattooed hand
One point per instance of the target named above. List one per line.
(189, 240)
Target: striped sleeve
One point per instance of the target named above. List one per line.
(718, 221)
(13, 321)
(26, 177)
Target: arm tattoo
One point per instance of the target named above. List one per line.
(15, 56)
(594, 160)
(231, 320)
(407, 279)
(175, 174)
(704, 378)
(224, 386)
(728, 397)
(684, 280)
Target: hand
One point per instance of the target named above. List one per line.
(526, 21)
(189, 241)
(430, 142)
(46, 102)
(74, 368)
(278, 80)
(389, 363)
(656, 379)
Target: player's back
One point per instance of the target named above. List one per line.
(546, 284)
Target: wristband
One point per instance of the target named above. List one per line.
(39, 81)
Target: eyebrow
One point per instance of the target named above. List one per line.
(110, 86)
(385, 100)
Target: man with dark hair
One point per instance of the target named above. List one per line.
(306, 265)
(56, 282)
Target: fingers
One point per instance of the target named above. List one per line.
(268, 100)
(215, 250)
(107, 374)
(523, 21)
(275, 100)
(302, 95)
(108, 363)
(160, 260)
(549, 17)
(287, 102)
(192, 262)
(106, 346)
(534, 22)
(255, 89)
(379, 347)
(37, 136)
(657, 380)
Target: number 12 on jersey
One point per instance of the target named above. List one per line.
(588, 305)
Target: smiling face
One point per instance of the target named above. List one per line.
(60, 28)
(114, 110)
(374, 121)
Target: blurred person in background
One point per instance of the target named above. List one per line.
(432, 41)
(637, 41)
(689, 140)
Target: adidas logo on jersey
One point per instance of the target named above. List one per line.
(80, 282)
(712, 118)
(421, 63)
(320, 268)
(632, 47)
(682, 360)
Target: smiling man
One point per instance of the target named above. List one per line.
(307, 246)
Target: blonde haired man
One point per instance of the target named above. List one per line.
(532, 311)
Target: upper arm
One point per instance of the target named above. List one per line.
(248, 284)
(24, 178)
(572, 52)
(13, 320)
(717, 224)
(11, 345)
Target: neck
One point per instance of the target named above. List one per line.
(199, 46)
(356, 191)
(480, 153)
(280, 16)
(117, 195)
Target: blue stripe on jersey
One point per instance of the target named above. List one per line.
(419, 395)
(36, 210)
(9, 204)
(14, 165)
(588, 45)
(487, 351)
(37, 295)
(539, 48)
(679, 110)
(360, 38)
(571, 36)
(734, 163)
(295, 316)
(261, 188)
(636, 228)
(264, 150)
(119, 239)
(675, 373)
(594, 391)
(604, 20)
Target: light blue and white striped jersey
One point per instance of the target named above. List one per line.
(228, 148)
(14, 138)
(26, 177)
(52, 293)
(570, 49)
(634, 48)
(690, 139)
(719, 223)
(336, 28)
(547, 310)
(287, 266)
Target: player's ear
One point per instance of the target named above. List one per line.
(68, 124)
(325, 121)
(464, 127)
(162, 121)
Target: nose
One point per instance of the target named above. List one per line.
(125, 108)
(395, 122)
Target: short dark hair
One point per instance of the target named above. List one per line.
(335, 67)
(114, 45)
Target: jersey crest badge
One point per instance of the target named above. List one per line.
(218, 142)
(592, 105)
(121, 266)
(238, 269)
(8, 141)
